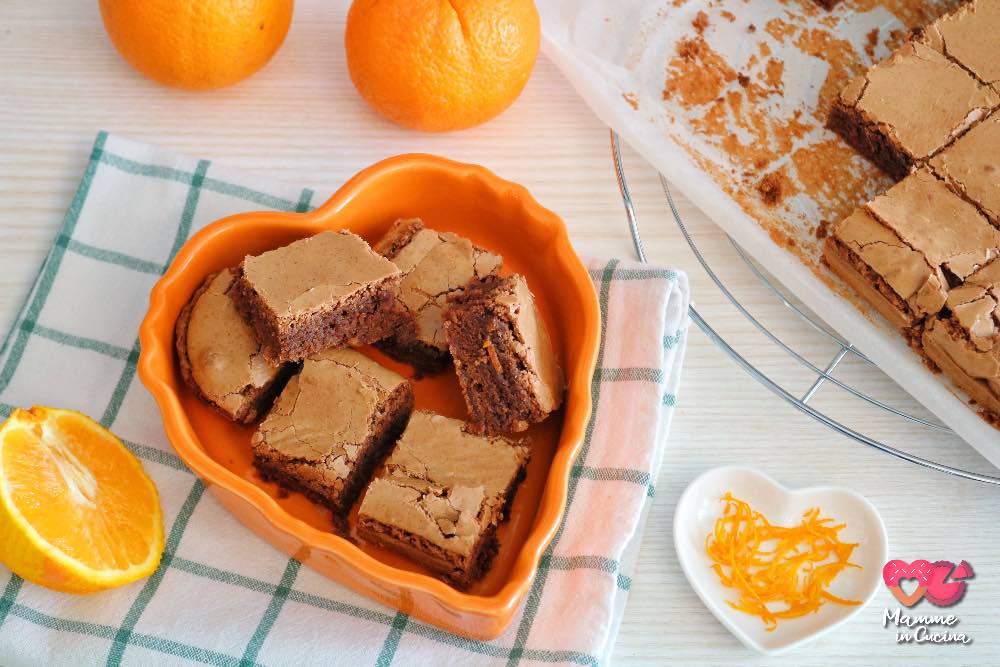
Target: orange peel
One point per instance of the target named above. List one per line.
(780, 572)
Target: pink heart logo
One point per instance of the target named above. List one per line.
(947, 582)
(895, 570)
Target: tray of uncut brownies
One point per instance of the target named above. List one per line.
(270, 343)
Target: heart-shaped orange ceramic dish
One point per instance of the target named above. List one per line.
(449, 196)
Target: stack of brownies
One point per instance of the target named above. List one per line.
(926, 253)
(272, 338)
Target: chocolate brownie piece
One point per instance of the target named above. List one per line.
(331, 426)
(964, 339)
(434, 265)
(827, 4)
(971, 166)
(505, 361)
(441, 496)
(219, 356)
(328, 290)
(970, 36)
(903, 249)
(907, 108)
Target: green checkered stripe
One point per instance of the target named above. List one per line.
(221, 596)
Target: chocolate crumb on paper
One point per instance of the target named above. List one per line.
(700, 22)
(697, 73)
(871, 42)
(896, 38)
(780, 30)
(822, 229)
(773, 75)
(775, 187)
(770, 189)
(782, 239)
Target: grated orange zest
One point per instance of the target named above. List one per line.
(780, 572)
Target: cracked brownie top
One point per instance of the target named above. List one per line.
(223, 354)
(328, 411)
(968, 35)
(920, 237)
(434, 264)
(972, 165)
(965, 338)
(919, 98)
(315, 272)
(444, 483)
(973, 306)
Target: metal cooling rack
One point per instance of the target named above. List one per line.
(822, 375)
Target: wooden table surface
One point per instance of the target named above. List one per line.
(300, 120)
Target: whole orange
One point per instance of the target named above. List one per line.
(197, 44)
(441, 65)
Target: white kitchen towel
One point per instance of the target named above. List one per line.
(222, 596)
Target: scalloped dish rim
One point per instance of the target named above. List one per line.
(156, 364)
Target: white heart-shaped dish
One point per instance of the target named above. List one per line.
(694, 518)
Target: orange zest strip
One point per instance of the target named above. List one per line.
(779, 572)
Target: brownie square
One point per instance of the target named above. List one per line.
(903, 249)
(504, 359)
(220, 357)
(434, 265)
(908, 107)
(328, 290)
(968, 35)
(964, 339)
(971, 166)
(331, 426)
(441, 496)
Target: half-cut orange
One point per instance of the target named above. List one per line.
(77, 511)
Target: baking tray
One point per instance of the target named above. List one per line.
(727, 99)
